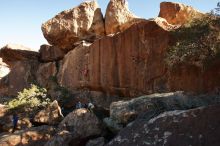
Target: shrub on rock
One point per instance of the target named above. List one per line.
(31, 98)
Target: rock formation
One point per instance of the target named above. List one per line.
(133, 63)
(96, 142)
(45, 73)
(6, 125)
(118, 17)
(51, 53)
(190, 127)
(76, 128)
(62, 138)
(12, 53)
(177, 13)
(84, 22)
(165, 25)
(50, 116)
(30, 137)
(20, 77)
(104, 62)
(22, 63)
(151, 105)
(81, 123)
(125, 64)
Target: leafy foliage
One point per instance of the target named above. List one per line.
(216, 11)
(31, 98)
(197, 42)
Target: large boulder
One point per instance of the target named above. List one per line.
(29, 137)
(82, 124)
(12, 53)
(84, 22)
(177, 13)
(198, 126)
(52, 115)
(151, 105)
(62, 138)
(51, 53)
(118, 17)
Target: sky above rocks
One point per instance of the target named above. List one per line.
(21, 19)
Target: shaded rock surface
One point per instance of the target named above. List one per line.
(22, 74)
(6, 124)
(118, 17)
(82, 124)
(30, 137)
(84, 22)
(177, 13)
(50, 116)
(112, 125)
(152, 105)
(62, 138)
(96, 142)
(99, 99)
(51, 53)
(22, 63)
(45, 73)
(198, 126)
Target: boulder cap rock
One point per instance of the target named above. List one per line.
(118, 17)
(84, 22)
(13, 52)
(178, 13)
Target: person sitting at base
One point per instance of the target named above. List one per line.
(79, 105)
(14, 122)
(90, 106)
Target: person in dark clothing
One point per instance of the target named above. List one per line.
(15, 122)
(79, 105)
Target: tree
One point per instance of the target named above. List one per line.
(217, 9)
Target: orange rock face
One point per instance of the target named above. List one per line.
(45, 72)
(126, 64)
(177, 13)
(133, 63)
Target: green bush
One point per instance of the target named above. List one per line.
(197, 42)
(34, 97)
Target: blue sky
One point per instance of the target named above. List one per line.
(21, 19)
